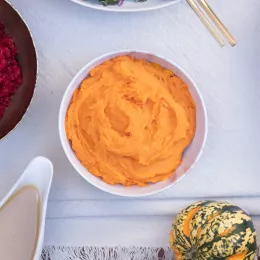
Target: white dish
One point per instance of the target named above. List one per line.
(128, 6)
(191, 154)
(38, 174)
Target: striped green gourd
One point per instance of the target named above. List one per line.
(210, 230)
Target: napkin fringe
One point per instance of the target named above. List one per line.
(109, 253)
(106, 253)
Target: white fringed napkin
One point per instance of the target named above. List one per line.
(104, 253)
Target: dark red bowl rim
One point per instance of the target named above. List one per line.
(27, 59)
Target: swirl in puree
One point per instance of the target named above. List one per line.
(130, 122)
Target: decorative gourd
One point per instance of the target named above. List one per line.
(210, 230)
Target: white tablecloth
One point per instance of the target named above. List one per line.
(67, 36)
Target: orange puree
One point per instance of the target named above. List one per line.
(130, 121)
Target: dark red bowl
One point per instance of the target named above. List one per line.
(28, 62)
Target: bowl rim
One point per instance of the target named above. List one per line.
(62, 131)
(122, 10)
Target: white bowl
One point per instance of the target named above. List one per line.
(128, 6)
(191, 155)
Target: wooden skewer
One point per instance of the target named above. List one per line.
(217, 22)
(205, 21)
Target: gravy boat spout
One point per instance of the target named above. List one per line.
(38, 174)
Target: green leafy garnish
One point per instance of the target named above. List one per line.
(114, 2)
(109, 2)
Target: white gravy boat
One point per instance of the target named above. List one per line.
(39, 174)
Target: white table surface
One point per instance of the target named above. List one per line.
(67, 36)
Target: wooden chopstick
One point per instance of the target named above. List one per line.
(206, 22)
(231, 40)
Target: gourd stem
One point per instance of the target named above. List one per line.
(191, 255)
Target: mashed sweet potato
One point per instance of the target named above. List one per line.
(130, 121)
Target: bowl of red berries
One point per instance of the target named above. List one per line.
(18, 68)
